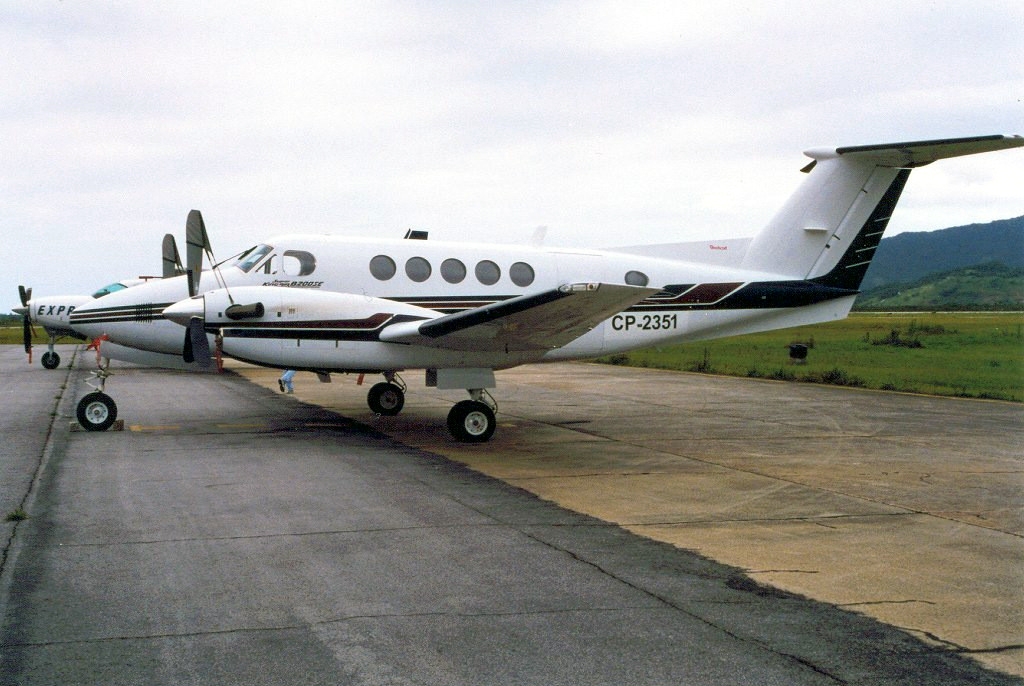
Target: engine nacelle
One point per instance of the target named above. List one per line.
(270, 307)
(299, 328)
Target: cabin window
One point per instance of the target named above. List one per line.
(382, 267)
(298, 263)
(417, 269)
(521, 274)
(453, 271)
(487, 272)
(635, 278)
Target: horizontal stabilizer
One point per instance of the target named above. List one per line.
(919, 153)
(540, 321)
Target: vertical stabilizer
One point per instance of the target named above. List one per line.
(829, 228)
(848, 252)
(821, 217)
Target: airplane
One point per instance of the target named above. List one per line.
(460, 311)
(53, 312)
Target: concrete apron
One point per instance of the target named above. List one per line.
(904, 508)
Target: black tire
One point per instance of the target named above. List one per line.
(50, 360)
(97, 412)
(471, 421)
(386, 399)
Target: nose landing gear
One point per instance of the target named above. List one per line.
(97, 411)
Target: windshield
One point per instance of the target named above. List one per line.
(251, 256)
(106, 290)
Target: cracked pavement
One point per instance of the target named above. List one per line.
(907, 508)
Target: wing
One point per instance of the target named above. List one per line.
(540, 321)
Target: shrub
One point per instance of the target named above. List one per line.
(838, 377)
(895, 339)
(18, 515)
(704, 365)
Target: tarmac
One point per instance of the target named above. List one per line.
(623, 527)
(906, 508)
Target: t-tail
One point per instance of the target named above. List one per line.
(828, 230)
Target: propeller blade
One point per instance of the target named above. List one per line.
(196, 242)
(25, 294)
(197, 347)
(171, 258)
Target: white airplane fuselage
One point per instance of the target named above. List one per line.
(423, 272)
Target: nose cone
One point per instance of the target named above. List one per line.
(183, 311)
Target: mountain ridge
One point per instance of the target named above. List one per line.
(908, 257)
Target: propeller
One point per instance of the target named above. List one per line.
(197, 347)
(26, 319)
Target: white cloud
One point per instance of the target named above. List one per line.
(658, 120)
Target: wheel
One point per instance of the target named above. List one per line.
(51, 360)
(96, 411)
(471, 421)
(386, 398)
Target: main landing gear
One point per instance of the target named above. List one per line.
(388, 397)
(472, 421)
(469, 421)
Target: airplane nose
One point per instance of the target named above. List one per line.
(183, 311)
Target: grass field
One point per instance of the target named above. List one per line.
(977, 355)
(12, 334)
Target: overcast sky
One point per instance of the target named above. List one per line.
(607, 122)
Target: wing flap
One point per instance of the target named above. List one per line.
(539, 321)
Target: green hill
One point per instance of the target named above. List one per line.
(907, 257)
(989, 286)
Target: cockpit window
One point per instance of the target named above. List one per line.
(249, 258)
(107, 290)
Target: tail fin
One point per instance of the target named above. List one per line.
(171, 258)
(828, 230)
